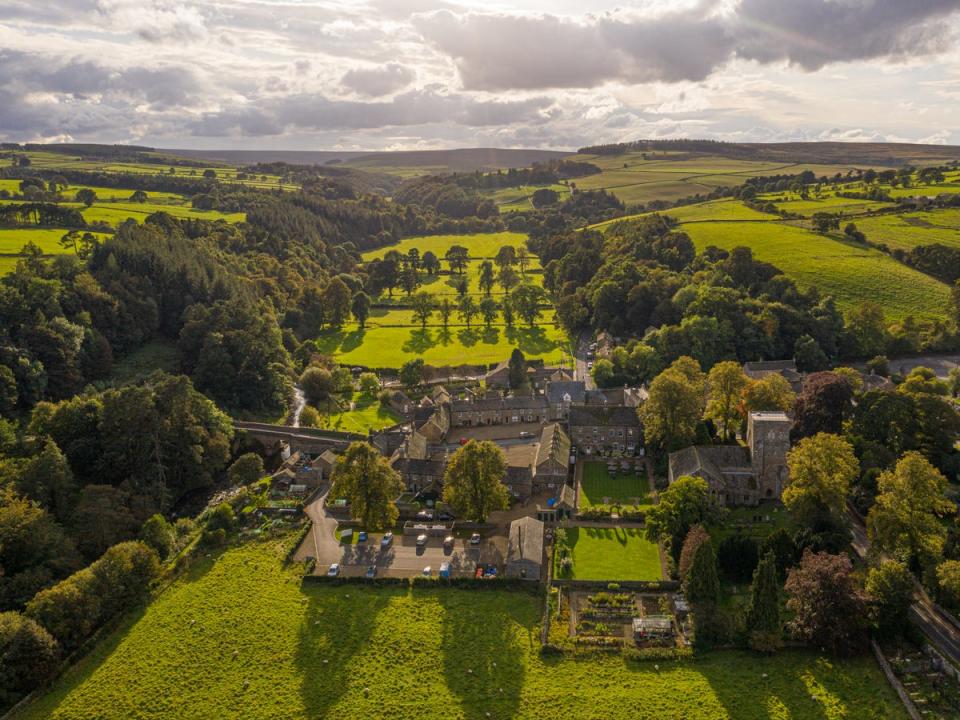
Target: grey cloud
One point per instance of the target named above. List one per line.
(497, 51)
(416, 107)
(378, 81)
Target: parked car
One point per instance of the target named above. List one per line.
(386, 540)
(371, 572)
(590, 365)
(475, 539)
(448, 541)
(425, 515)
(526, 434)
(444, 515)
(445, 570)
(334, 570)
(362, 536)
(421, 540)
(427, 571)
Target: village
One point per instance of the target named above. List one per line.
(579, 482)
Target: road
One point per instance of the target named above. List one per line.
(938, 628)
(403, 558)
(940, 364)
(580, 370)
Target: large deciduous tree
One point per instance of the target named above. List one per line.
(682, 505)
(725, 384)
(363, 476)
(473, 483)
(822, 468)
(890, 587)
(822, 405)
(674, 406)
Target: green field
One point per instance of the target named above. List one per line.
(714, 210)
(909, 230)
(390, 347)
(12, 240)
(241, 637)
(511, 199)
(366, 415)
(116, 213)
(480, 245)
(598, 487)
(850, 273)
(827, 204)
(614, 553)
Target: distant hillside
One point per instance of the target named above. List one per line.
(888, 154)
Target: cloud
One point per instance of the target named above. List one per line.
(502, 51)
(378, 81)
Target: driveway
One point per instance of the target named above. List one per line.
(581, 372)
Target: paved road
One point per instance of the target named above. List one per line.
(938, 628)
(940, 364)
(580, 371)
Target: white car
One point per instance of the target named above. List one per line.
(427, 571)
(386, 540)
(334, 570)
(590, 365)
(475, 539)
(421, 540)
(448, 541)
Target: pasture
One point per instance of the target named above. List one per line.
(909, 230)
(366, 415)
(240, 636)
(850, 273)
(711, 211)
(12, 240)
(599, 487)
(827, 204)
(390, 346)
(480, 245)
(613, 553)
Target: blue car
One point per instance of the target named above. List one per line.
(361, 536)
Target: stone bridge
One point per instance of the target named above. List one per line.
(311, 441)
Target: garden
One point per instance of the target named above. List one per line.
(610, 488)
(606, 554)
(239, 635)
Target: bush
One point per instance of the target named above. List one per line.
(246, 469)
(737, 557)
(28, 657)
(158, 534)
(316, 383)
(221, 518)
(70, 610)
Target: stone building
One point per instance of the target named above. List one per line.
(498, 411)
(738, 475)
(561, 395)
(597, 428)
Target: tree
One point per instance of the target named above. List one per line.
(695, 537)
(923, 381)
(829, 611)
(445, 310)
(102, 518)
(488, 309)
(29, 657)
(822, 405)
(86, 196)
(309, 417)
(486, 279)
(457, 257)
(409, 280)
(763, 613)
(369, 384)
(507, 278)
(891, 587)
(682, 505)
(360, 307)
(473, 483)
(527, 301)
(726, 383)
(364, 477)
(770, 393)
(672, 410)
(702, 584)
(825, 222)
(507, 310)
(522, 259)
(868, 328)
(49, 480)
(948, 582)
(467, 309)
(430, 263)
(544, 197)
(69, 610)
(338, 300)
(138, 196)
(822, 468)
(506, 256)
(737, 556)
(462, 285)
(246, 469)
(809, 356)
(422, 304)
(158, 534)
(905, 519)
(209, 173)
(411, 373)
(221, 517)
(316, 383)
(603, 373)
(123, 576)
(517, 365)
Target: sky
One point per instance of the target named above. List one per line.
(420, 74)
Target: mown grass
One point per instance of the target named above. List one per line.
(390, 347)
(714, 210)
(596, 484)
(850, 273)
(366, 415)
(613, 553)
(240, 637)
(480, 245)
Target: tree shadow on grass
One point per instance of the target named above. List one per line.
(335, 629)
(486, 634)
(444, 337)
(491, 336)
(419, 342)
(332, 341)
(468, 337)
(532, 340)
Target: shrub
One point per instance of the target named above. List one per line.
(28, 657)
(246, 469)
(221, 518)
(158, 534)
(737, 557)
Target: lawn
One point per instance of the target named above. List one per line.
(390, 346)
(850, 273)
(601, 553)
(264, 646)
(598, 487)
(480, 245)
(366, 415)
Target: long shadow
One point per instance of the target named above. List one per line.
(419, 342)
(444, 337)
(485, 636)
(335, 629)
(468, 336)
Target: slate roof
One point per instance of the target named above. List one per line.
(509, 403)
(724, 467)
(526, 541)
(557, 392)
(416, 466)
(554, 445)
(600, 415)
